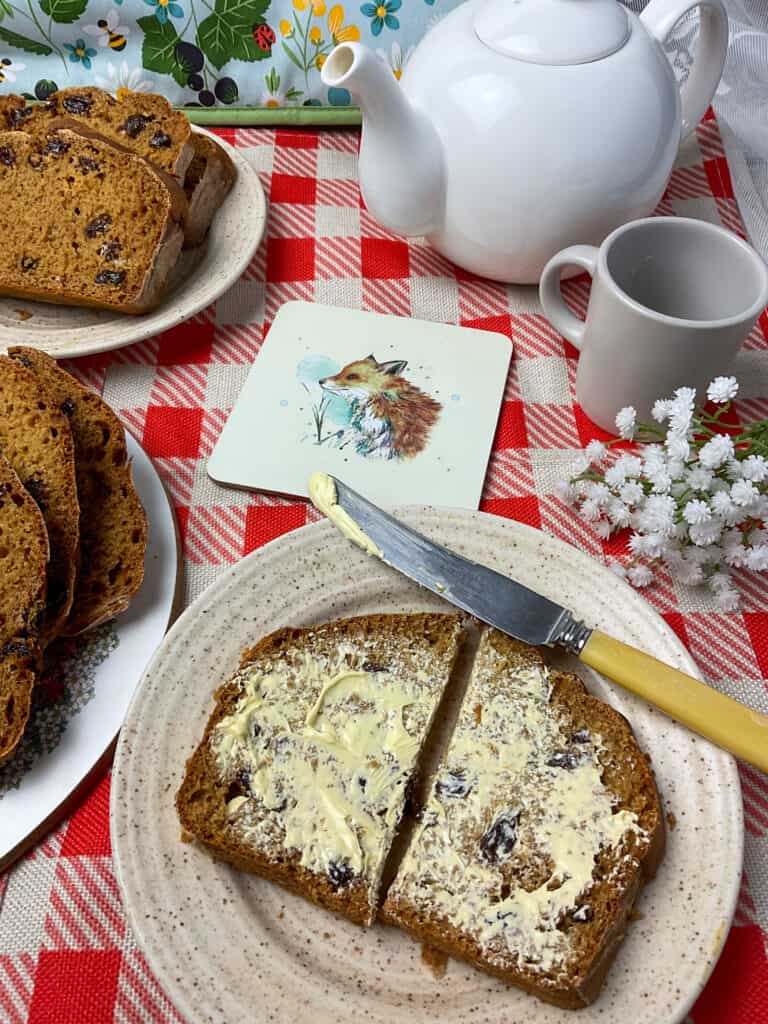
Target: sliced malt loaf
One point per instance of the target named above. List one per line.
(85, 223)
(302, 772)
(36, 439)
(113, 526)
(23, 563)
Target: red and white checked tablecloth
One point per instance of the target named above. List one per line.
(66, 953)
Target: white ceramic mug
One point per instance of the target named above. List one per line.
(672, 300)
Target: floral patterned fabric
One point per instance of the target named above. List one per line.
(225, 53)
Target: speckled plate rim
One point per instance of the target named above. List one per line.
(234, 237)
(162, 935)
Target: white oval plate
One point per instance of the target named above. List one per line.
(231, 947)
(200, 277)
(97, 675)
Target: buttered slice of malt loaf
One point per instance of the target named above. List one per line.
(36, 438)
(302, 773)
(542, 822)
(113, 526)
(23, 561)
(84, 223)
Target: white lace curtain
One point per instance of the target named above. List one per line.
(741, 104)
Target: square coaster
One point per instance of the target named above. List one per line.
(402, 410)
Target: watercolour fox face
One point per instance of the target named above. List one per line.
(390, 417)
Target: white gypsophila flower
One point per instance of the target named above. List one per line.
(734, 551)
(681, 411)
(579, 465)
(698, 478)
(722, 389)
(655, 545)
(727, 599)
(615, 476)
(757, 558)
(743, 493)
(598, 492)
(639, 575)
(716, 451)
(697, 556)
(678, 489)
(675, 468)
(590, 511)
(661, 481)
(602, 529)
(719, 580)
(631, 492)
(630, 465)
(754, 468)
(677, 446)
(697, 511)
(565, 492)
(596, 452)
(733, 470)
(657, 514)
(617, 569)
(626, 422)
(653, 456)
(618, 513)
(706, 533)
(679, 531)
(690, 574)
(637, 543)
(662, 408)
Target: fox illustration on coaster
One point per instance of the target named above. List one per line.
(404, 408)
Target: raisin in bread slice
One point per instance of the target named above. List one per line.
(36, 439)
(146, 124)
(23, 562)
(84, 223)
(208, 181)
(302, 773)
(542, 822)
(113, 526)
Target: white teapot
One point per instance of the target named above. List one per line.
(522, 126)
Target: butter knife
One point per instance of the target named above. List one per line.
(522, 613)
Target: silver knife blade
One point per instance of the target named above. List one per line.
(492, 597)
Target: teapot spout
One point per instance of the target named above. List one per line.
(401, 160)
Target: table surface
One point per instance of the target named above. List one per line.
(66, 953)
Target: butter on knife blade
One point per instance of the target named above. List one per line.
(322, 492)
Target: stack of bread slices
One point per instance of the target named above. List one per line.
(72, 529)
(100, 195)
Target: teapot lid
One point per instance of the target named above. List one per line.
(552, 31)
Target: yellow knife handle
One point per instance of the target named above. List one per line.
(718, 718)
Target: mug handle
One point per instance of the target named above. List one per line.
(660, 17)
(551, 298)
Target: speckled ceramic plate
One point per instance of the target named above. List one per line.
(88, 682)
(231, 947)
(199, 278)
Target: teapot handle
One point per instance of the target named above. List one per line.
(660, 17)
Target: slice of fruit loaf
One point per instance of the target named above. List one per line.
(36, 439)
(23, 562)
(113, 526)
(542, 822)
(146, 124)
(302, 773)
(84, 223)
(208, 181)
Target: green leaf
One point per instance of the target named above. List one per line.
(158, 51)
(23, 43)
(226, 34)
(5, 9)
(292, 56)
(64, 11)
